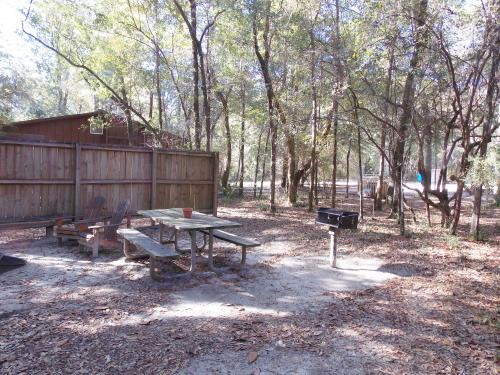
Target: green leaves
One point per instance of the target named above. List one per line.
(484, 171)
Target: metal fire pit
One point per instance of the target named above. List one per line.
(336, 219)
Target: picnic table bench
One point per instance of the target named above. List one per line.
(234, 239)
(138, 245)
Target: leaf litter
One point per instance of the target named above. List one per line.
(65, 313)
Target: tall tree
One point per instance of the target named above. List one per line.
(492, 94)
(337, 88)
(314, 115)
(264, 59)
(223, 97)
(407, 103)
(199, 70)
(242, 136)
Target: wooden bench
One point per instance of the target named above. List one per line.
(234, 239)
(138, 245)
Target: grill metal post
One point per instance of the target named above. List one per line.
(333, 246)
(336, 220)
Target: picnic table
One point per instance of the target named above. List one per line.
(174, 218)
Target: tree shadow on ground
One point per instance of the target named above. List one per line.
(120, 332)
(113, 340)
(109, 315)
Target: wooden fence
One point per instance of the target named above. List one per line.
(42, 181)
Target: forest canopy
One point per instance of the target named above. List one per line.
(286, 90)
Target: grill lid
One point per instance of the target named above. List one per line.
(337, 218)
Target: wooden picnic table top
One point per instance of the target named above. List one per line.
(174, 217)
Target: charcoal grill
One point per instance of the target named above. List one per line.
(336, 219)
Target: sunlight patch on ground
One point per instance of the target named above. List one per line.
(292, 285)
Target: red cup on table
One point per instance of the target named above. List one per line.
(187, 212)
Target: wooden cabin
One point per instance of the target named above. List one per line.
(77, 129)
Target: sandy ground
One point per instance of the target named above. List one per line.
(394, 304)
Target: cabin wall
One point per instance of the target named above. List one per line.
(71, 130)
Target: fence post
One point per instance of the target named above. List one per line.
(78, 156)
(215, 197)
(153, 179)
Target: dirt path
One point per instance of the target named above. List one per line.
(414, 305)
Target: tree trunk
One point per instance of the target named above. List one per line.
(264, 163)
(238, 171)
(274, 150)
(151, 99)
(486, 138)
(242, 138)
(474, 232)
(347, 168)
(316, 197)
(314, 118)
(443, 180)
(336, 95)
(128, 116)
(284, 173)
(157, 74)
(406, 108)
(206, 100)
(334, 154)
(257, 164)
(158, 92)
(497, 194)
(225, 110)
(379, 195)
(293, 181)
(427, 157)
(62, 93)
(196, 89)
(316, 165)
(457, 207)
(264, 66)
(360, 163)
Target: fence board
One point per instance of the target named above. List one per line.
(41, 181)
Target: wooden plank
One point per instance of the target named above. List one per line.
(106, 147)
(37, 144)
(147, 244)
(179, 196)
(10, 162)
(118, 181)
(164, 151)
(215, 176)
(185, 182)
(77, 197)
(198, 221)
(232, 238)
(163, 196)
(116, 148)
(103, 182)
(17, 170)
(37, 182)
(154, 159)
(3, 166)
(34, 223)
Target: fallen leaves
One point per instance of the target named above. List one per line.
(6, 357)
(252, 356)
(440, 318)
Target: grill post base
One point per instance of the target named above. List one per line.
(333, 247)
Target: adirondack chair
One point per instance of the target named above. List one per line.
(104, 235)
(94, 213)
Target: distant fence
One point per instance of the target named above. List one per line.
(370, 187)
(42, 181)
